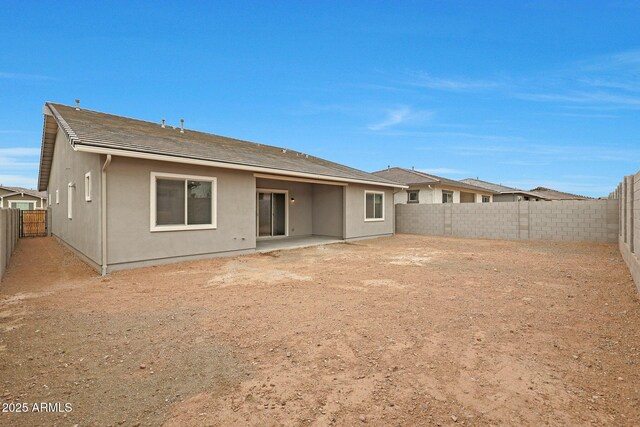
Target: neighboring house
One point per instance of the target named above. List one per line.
(551, 194)
(427, 188)
(510, 194)
(504, 193)
(128, 193)
(22, 198)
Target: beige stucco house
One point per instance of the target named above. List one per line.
(22, 198)
(427, 188)
(128, 193)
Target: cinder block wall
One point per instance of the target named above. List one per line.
(9, 223)
(489, 220)
(571, 221)
(627, 195)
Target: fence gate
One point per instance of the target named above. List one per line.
(33, 223)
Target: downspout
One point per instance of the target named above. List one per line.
(103, 213)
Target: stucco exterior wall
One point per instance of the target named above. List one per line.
(505, 198)
(131, 243)
(433, 195)
(355, 226)
(328, 210)
(82, 232)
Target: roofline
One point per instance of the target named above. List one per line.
(18, 192)
(528, 193)
(87, 148)
(78, 145)
(438, 181)
(464, 186)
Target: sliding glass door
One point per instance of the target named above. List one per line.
(272, 213)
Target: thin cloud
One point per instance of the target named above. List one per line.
(399, 116)
(8, 163)
(583, 98)
(425, 80)
(23, 76)
(26, 181)
(19, 152)
(444, 171)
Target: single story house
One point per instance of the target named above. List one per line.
(428, 188)
(129, 193)
(504, 193)
(22, 198)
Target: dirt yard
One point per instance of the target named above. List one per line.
(396, 331)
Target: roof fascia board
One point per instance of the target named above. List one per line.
(288, 178)
(212, 163)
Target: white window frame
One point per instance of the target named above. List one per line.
(488, 199)
(447, 192)
(14, 202)
(70, 201)
(153, 227)
(374, 209)
(57, 197)
(87, 187)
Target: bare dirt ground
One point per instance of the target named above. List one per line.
(396, 331)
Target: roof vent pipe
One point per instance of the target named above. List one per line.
(181, 125)
(77, 105)
(163, 123)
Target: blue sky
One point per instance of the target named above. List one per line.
(522, 93)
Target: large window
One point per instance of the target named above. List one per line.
(182, 202)
(22, 205)
(373, 206)
(412, 196)
(447, 196)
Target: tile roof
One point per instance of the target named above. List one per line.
(489, 185)
(414, 177)
(107, 131)
(557, 195)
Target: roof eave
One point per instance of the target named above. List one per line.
(89, 148)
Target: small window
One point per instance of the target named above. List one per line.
(486, 199)
(447, 196)
(373, 206)
(87, 186)
(70, 201)
(181, 202)
(57, 197)
(412, 196)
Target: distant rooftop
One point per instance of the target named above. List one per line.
(21, 190)
(414, 177)
(558, 195)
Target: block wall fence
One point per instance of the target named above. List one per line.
(569, 220)
(9, 232)
(627, 195)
